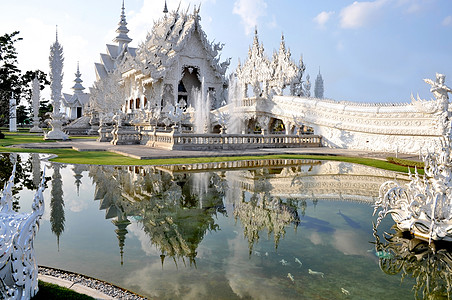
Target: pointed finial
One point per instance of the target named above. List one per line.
(122, 30)
(56, 34)
(165, 8)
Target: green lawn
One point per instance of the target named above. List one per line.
(49, 291)
(109, 158)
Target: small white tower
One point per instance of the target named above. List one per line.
(318, 90)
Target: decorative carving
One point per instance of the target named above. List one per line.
(107, 96)
(423, 206)
(19, 273)
(267, 76)
(56, 78)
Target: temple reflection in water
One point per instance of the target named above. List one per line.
(176, 207)
(181, 231)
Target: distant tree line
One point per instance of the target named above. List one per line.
(14, 84)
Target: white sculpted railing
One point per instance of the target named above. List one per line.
(19, 271)
(190, 141)
(388, 127)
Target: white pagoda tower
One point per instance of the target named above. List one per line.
(56, 78)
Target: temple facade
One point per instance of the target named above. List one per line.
(175, 60)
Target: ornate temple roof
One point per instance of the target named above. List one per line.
(167, 39)
(115, 53)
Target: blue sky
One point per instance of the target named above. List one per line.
(368, 51)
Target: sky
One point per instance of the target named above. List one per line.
(366, 51)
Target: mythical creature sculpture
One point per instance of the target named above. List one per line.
(440, 90)
(424, 206)
(19, 272)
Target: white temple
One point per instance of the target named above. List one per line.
(175, 59)
(74, 105)
(171, 92)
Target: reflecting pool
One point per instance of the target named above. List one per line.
(301, 230)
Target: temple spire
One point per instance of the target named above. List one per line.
(319, 88)
(122, 38)
(165, 8)
(78, 87)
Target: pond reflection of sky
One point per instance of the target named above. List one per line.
(282, 233)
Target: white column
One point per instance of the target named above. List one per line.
(12, 115)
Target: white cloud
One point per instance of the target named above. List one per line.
(413, 6)
(273, 24)
(447, 21)
(250, 11)
(359, 14)
(323, 17)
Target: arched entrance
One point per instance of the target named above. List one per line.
(277, 126)
(189, 81)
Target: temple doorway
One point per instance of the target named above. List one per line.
(190, 80)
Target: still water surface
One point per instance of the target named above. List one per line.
(302, 231)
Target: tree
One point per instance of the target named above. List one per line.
(44, 108)
(23, 115)
(10, 75)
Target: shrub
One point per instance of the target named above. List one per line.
(405, 162)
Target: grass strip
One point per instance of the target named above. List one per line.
(49, 291)
(71, 156)
(109, 158)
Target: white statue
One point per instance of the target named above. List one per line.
(440, 90)
(19, 273)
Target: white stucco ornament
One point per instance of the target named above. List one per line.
(423, 206)
(19, 272)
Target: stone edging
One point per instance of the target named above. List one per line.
(96, 284)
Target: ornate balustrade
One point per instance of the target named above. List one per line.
(125, 135)
(190, 141)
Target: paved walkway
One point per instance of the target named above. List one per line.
(143, 152)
